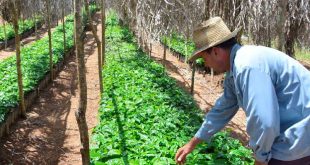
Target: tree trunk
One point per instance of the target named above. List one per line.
(49, 38)
(290, 37)
(14, 9)
(280, 24)
(291, 33)
(64, 25)
(207, 9)
(80, 113)
(94, 31)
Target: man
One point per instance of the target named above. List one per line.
(272, 88)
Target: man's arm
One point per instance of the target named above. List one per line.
(223, 111)
(225, 108)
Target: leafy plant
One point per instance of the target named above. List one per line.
(144, 116)
(24, 26)
(35, 65)
(180, 45)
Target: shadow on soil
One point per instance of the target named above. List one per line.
(34, 140)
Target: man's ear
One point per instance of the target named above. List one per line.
(216, 50)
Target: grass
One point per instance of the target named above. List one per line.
(302, 54)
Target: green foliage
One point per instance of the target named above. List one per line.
(303, 54)
(35, 65)
(23, 27)
(144, 116)
(180, 45)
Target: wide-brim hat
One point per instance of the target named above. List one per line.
(209, 34)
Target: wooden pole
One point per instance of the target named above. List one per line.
(193, 77)
(80, 113)
(49, 38)
(14, 9)
(64, 25)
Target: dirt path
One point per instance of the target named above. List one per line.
(50, 134)
(10, 50)
(206, 88)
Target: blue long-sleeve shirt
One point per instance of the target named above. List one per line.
(274, 91)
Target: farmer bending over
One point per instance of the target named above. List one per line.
(272, 88)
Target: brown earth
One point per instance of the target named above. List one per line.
(50, 133)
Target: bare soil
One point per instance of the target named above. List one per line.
(50, 133)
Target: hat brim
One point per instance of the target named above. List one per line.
(197, 52)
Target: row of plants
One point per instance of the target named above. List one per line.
(145, 117)
(181, 45)
(25, 26)
(35, 65)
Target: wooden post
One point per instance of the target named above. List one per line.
(103, 31)
(15, 10)
(80, 113)
(5, 35)
(193, 77)
(165, 51)
(49, 38)
(150, 49)
(64, 25)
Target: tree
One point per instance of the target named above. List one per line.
(80, 113)
(14, 10)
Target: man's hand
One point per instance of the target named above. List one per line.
(182, 152)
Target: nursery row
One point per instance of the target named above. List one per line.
(35, 65)
(145, 117)
(181, 46)
(7, 32)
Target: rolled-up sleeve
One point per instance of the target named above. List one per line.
(261, 106)
(222, 112)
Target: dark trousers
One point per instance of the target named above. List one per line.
(302, 161)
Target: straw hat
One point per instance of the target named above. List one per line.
(211, 33)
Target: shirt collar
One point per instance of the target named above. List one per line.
(232, 55)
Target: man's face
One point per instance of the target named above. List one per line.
(217, 59)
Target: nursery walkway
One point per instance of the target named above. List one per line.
(50, 133)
